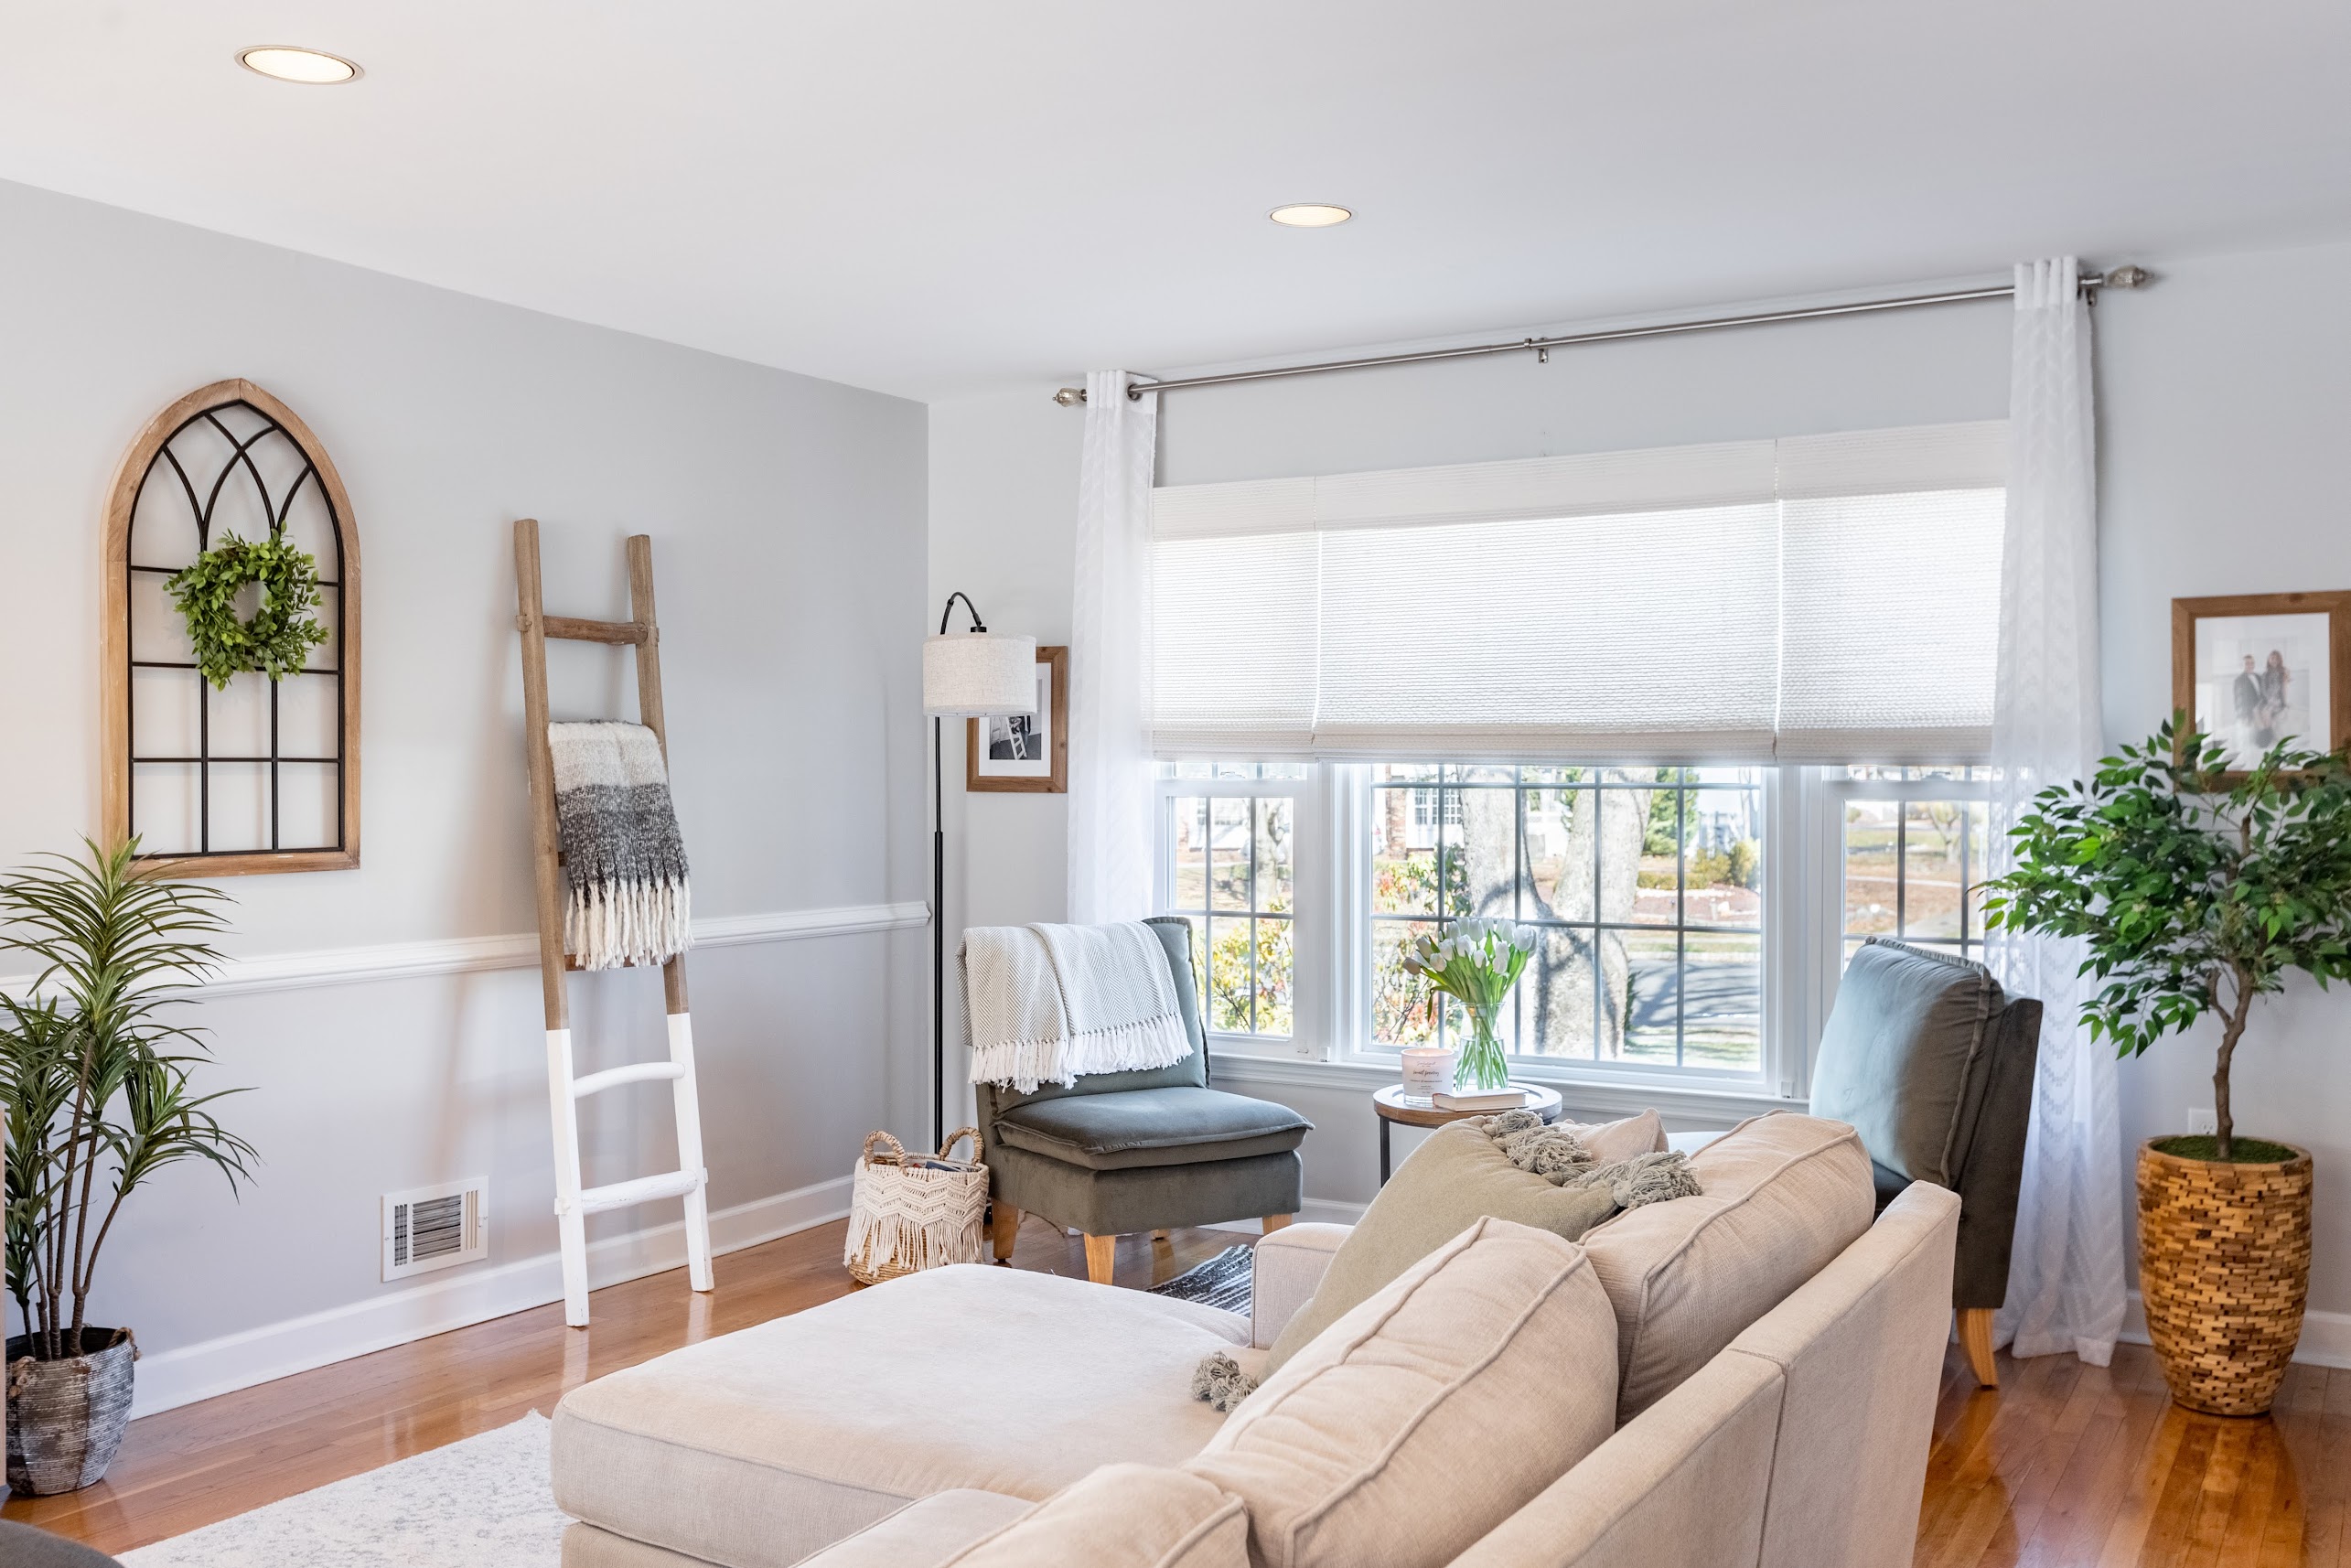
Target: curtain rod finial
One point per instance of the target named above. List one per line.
(1070, 397)
(2126, 277)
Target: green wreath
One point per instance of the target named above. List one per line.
(278, 639)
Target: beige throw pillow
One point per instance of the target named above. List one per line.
(1122, 1516)
(1612, 1141)
(1457, 1176)
(1431, 1412)
(1780, 1196)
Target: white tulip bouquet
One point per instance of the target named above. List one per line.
(1477, 962)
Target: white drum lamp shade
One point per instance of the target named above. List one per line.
(976, 674)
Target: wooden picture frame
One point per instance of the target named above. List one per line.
(340, 579)
(2252, 669)
(1048, 775)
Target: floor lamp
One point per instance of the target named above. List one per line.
(972, 675)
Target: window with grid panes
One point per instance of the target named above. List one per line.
(1229, 849)
(1644, 885)
(1912, 855)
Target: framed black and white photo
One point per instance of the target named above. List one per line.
(2253, 670)
(1024, 753)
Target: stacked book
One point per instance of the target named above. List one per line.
(1482, 1100)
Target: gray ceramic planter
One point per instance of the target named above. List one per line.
(66, 1417)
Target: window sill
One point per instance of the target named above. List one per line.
(1678, 1099)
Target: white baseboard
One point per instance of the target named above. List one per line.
(233, 1361)
(2325, 1335)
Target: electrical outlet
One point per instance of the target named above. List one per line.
(2203, 1119)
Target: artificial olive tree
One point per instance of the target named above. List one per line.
(2195, 888)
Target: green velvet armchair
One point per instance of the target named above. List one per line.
(1121, 1151)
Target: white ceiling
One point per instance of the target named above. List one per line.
(932, 197)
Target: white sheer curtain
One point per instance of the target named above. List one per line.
(1111, 791)
(2065, 1282)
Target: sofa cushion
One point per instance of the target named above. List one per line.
(1904, 1054)
(1627, 1139)
(1431, 1412)
(922, 1534)
(1780, 1196)
(1169, 1126)
(1121, 1515)
(1455, 1178)
(756, 1448)
(22, 1546)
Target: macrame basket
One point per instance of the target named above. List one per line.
(909, 1212)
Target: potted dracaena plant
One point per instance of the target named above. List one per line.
(96, 1088)
(1475, 961)
(2197, 891)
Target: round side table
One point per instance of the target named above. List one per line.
(1388, 1104)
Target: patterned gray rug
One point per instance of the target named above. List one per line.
(484, 1502)
(1222, 1282)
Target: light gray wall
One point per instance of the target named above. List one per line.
(2226, 393)
(787, 516)
(2223, 402)
(1003, 514)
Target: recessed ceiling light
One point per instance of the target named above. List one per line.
(1310, 215)
(285, 62)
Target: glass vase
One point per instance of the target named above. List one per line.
(1482, 1067)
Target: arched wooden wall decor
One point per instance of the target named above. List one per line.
(263, 775)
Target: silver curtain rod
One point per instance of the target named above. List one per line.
(2115, 277)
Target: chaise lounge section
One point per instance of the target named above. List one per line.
(906, 1423)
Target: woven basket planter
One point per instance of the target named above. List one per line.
(67, 1416)
(2224, 1266)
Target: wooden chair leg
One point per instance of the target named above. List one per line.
(1975, 1338)
(1160, 1236)
(1274, 1222)
(1102, 1258)
(1004, 1229)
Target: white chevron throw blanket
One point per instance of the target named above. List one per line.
(624, 864)
(1051, 1004)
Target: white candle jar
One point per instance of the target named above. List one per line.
(1428, 1072)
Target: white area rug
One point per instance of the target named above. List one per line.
(484, 1502)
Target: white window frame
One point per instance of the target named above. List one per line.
(1833, 788)
(1802, 931)
(1310, 933)
(1351, 806)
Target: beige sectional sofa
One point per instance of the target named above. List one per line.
(904, 1424)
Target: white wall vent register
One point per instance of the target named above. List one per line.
(429, 1228)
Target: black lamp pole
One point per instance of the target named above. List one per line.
(939, 896)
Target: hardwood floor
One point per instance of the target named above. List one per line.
(203, 1462)
(2064, 1466)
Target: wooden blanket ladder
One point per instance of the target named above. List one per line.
(574, 1203)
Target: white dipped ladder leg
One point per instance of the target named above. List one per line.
(689, 1107)
(570, 1219)
(565, 1090)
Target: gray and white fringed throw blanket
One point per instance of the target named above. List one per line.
(623, 861)
(1049, 1003)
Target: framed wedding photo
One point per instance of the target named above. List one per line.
(1024, 753)
(2257, 669)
